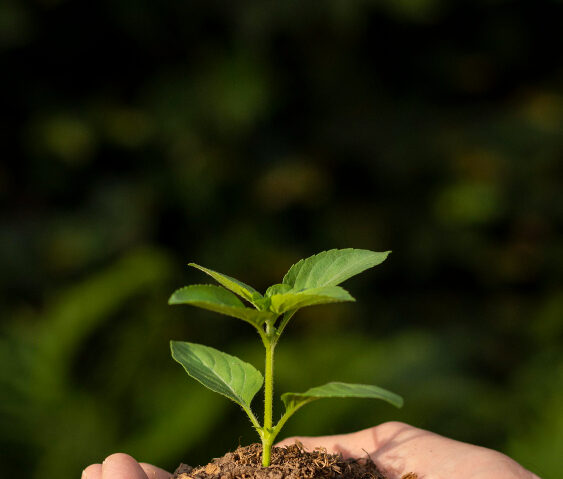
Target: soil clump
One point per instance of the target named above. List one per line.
(291, 462)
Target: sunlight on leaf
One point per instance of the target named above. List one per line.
(294, 401)
(238, 287)
(280, 303)
(332, 267)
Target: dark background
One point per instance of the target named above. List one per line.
(138, 136)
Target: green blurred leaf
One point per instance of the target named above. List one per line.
(468, 203)
(219, 300)
(238, 287)
(218, 371)
(189, 419)
(67, 323)
(332, 267)
(280, 303)
(69, 138)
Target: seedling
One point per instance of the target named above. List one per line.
(309, 282)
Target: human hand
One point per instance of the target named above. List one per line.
(398, 449)
(395, 447)
(122, 466)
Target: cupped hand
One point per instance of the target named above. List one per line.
(398, 449)
(395, 447)
(122, 466)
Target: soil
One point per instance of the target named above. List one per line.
(291, 462)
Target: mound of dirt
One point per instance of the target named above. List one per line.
(291, 462)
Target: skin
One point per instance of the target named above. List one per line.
(123, 466)
(395, 447)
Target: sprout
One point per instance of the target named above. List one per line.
(309, 282)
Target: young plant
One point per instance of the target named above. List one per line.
(309, 282)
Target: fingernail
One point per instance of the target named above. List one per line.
(84, 475)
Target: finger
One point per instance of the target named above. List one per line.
(93, 471)
(122, 466)
(154, 472)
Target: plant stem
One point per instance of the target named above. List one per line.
(267, 436)
(268, 387)
(266, 451)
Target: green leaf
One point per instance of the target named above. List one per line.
(263, 303)
(279, 288)
(294, 401)
(218, 371)
(238, 287)
(218, 299)
(332, 267)
(280, 303)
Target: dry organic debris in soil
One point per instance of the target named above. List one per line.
(291, 462)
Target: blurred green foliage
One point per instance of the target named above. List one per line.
(140, 136)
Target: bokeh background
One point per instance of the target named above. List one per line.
(138, 136)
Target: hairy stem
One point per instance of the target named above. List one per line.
(253, 420)
(267, 436)
(268, 388)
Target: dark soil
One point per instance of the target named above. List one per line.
(291, 462)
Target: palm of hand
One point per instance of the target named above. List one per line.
(398, 449)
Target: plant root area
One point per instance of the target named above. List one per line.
(291, 462)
